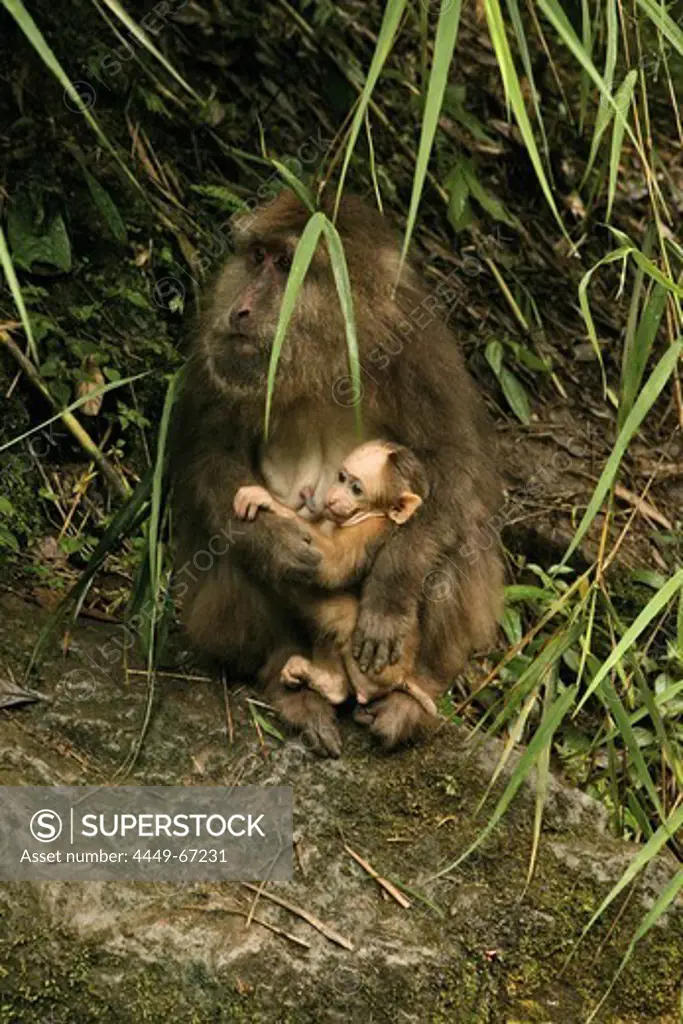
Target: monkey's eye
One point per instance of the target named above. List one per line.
(342, 477)
(356, 490)
(284, 261)
(258, 255)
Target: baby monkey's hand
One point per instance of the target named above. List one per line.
(249, 500)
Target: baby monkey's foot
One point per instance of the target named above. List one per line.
(249, 500)
(299, 671)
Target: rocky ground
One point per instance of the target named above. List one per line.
(472, 946)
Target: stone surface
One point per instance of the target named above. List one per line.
(473, 946)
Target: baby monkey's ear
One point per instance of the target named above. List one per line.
(404, 507)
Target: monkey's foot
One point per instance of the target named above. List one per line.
(310, 714)
(299, 671)
(395, 719)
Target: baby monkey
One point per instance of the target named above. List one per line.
(378, 488)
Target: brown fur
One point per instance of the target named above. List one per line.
(242, 610)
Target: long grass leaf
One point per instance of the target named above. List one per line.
(341, 279)
(303, 255)
(513, 92)
(144, 40)
(667, 896)
(125, 520)
(612, 702)
(36, 38)
(651, 609)
(15, 289)
(623, 102)
(539, 741)
(646, 399)
(393, 12)
(444, 45)
(669, 28)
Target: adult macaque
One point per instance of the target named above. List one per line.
(242, 608)
(379, 486)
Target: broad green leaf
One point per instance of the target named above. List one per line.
(36, 237)
(106, 206)
(486, 199)
(646, 399)
(459, 213)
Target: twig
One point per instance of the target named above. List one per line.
(259, 920)
(319, 926)
(118, 483)
(382, 882)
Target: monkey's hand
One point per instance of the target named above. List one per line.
(249, 500)
(289, 555)
(379, 636)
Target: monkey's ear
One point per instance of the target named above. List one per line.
(405, 506)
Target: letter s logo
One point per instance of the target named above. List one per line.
(46, 826)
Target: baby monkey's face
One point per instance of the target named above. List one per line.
(359, 483)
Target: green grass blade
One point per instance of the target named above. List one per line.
(651, 609)
(126, 519)
(513, 92)
(611, 701)
(637, 354)
(612, 257)
(667, 896)
(444, 45)
(541, 738)
(605, 110)
(297, 186)
(656, 12)
(623, 101)
(341, 279)
(74, 405)
(158, 479)
(523, 45)
(40, 45)
(144, 40)
(542, 779)
(303, 255)
(587, 40)
(15, 289)
(393, 12)
(646, 399)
